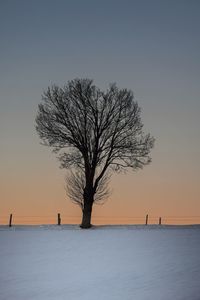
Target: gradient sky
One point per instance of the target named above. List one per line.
(151, 47)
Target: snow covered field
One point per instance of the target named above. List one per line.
(106, 262)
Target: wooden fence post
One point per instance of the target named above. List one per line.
(59, 219)
(10, 220)
(160, 221)
(146, 223)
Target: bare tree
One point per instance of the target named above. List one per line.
(94, 132)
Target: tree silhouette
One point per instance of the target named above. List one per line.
(94, 132)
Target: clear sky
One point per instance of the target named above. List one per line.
(151, 47)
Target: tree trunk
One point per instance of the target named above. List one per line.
(87, 213)
(86, 219)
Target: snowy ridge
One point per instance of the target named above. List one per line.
(99, 227)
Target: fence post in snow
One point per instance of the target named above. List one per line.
(59, 219)
(160, 221)
(146, 223)
(10, 220)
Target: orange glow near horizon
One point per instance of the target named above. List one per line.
(37, 199)
(67, 220)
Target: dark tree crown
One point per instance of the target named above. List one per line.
(93, 131)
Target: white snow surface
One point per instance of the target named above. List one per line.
(105, 262)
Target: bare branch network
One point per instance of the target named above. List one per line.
(94, 132)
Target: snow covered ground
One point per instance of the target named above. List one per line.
(105, 262)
